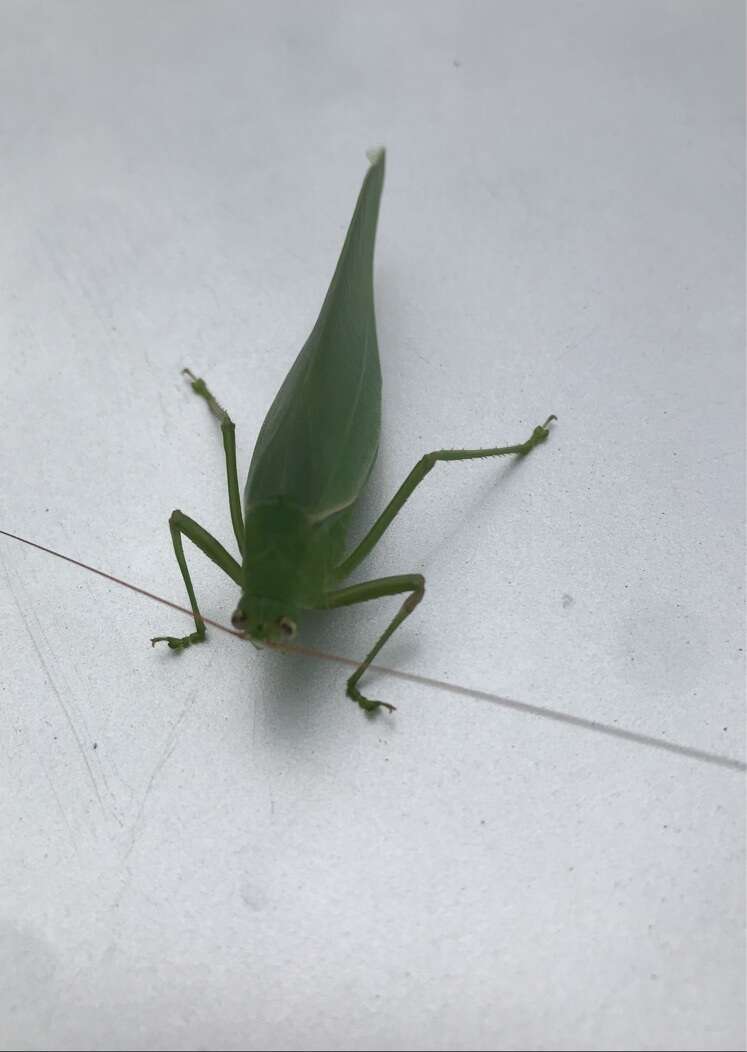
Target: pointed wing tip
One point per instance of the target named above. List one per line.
(376, 155)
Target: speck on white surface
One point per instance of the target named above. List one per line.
(219, 851)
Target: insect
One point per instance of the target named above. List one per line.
(313, 457)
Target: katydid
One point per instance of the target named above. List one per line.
(313, 456)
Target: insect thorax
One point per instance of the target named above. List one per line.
(287, 554)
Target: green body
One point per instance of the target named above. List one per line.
(312, 458)
(320, 437)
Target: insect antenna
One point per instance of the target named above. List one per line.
(528, 709)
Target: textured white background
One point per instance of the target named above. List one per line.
(218, 851)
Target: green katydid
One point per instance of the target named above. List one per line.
(313, 456)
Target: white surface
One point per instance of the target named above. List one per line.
(218, 850)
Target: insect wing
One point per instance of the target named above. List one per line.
(319, 439)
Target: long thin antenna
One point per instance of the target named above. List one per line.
(117, 580)
(687, 751)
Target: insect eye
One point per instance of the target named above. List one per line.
(287, 627)
(238, 618)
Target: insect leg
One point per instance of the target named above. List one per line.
(179, 524)
(413, 583)
(228, 428)
(416, 476)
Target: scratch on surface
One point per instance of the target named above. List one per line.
(56, 795)
(166, 752)
(45, 769)
(57, 693)
(159, 396)
(100, 766)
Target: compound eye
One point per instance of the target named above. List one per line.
(287, 627)
(238, 618)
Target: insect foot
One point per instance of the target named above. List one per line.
(367, 704)
(180, 643)
(540, 434)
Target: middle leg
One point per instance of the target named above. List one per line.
(416, 476)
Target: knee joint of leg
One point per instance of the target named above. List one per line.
(414, 597)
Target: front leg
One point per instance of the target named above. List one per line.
(179, 524)
(377, 589)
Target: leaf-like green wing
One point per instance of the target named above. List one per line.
(319, 440)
